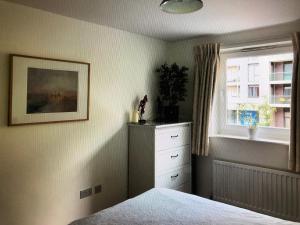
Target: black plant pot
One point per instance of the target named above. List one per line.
(171, 114)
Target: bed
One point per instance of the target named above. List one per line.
(160, 206)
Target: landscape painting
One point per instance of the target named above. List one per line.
(46, 90)
(51, 91)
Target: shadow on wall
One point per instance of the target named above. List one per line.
(37, 189)
(107, 166)
(4, 88)
(202, 176)
(44, 167)
(103, 172)
(51, 195)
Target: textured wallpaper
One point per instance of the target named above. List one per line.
(43, 167)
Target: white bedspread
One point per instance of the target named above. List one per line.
(168, 207)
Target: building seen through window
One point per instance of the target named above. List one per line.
(259, 88)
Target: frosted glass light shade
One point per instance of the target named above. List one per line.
(181, 6)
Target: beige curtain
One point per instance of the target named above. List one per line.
(207, 59)
(294, 153)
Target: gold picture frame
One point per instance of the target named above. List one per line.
(47, 90)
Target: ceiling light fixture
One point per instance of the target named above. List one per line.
(181, 6)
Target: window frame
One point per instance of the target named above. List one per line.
(255, 75)
(219, 125)
(253, 86)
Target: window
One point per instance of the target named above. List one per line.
(253, 75)
(287, 70)
(233, 91)
(281, 70)
(232, 116)
(233, 73)
(255, 85)
(287, 90)
(260, 96)
(253, 91)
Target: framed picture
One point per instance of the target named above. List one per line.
(45, 90)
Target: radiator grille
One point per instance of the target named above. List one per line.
(273, 192)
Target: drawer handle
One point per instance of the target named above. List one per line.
(174, 156)
(174, 176)
(176, 136)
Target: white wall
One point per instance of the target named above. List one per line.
(43, 167)
(241, 151)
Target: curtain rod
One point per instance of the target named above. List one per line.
(256, 47)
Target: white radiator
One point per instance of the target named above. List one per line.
(268, 191)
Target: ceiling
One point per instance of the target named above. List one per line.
(144, 16)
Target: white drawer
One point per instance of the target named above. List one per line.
(174, 178)
(168, 159)
(166, 138)
(184, 188)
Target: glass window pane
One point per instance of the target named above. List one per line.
(253, 75)
(258, 90)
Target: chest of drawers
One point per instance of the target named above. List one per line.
(159, 156)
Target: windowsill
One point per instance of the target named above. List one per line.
(286, 143)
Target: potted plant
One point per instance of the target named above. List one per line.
(252, 128)
(254, 115)
(249, 119)
(172, 90)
